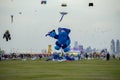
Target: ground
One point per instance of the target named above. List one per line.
(68, 70)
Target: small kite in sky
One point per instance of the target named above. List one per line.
(43, 2)
(62, 13)
(11, 0)
(64, 5)
(20, 12)
(7, 35)
(11, 18)
(91, 4)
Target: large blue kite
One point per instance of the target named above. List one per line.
(63, 40)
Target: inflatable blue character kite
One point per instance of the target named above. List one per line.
(63, 40)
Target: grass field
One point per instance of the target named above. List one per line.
(74, 70)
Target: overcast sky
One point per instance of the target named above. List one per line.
(91, 26)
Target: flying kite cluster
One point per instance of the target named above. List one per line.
(63, 39)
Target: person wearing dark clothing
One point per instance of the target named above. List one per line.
(108, 56)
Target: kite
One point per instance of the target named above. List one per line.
(11, 18)
(20, 12)
(63, 40)
(7, 35)
(91, 4)
(11, 0)
(64, 5)
(43, 2)
(62, 13)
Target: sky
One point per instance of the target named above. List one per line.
(91, 26)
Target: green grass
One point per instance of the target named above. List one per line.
(74, 70)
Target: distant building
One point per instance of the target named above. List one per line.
(117, 46)
(80, 47)
(76, 46)
(112, 46)
(43, 51)
(89, 49)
